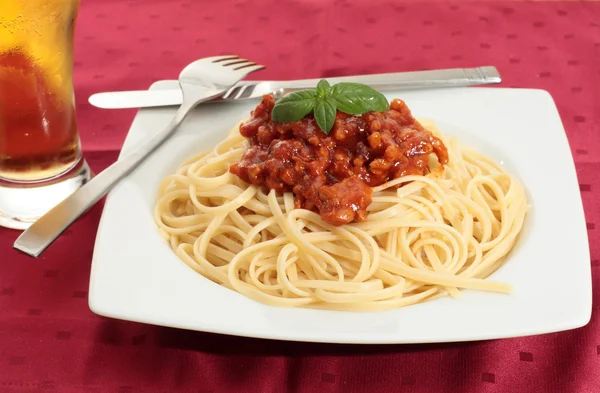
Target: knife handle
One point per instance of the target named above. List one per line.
(452, 77)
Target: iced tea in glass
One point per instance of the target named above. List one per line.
(40, 155)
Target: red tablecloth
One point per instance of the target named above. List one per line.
(50, 340)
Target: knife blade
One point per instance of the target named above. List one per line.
(454, 77)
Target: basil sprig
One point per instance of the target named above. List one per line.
(351, 98)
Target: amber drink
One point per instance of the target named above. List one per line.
(40, 154)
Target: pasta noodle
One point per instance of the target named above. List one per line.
(432, 236)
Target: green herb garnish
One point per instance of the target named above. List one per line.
(351, 98)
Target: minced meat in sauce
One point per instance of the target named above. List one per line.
(333, 174)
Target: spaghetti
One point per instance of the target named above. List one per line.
(424, 236)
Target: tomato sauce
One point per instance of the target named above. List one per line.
(333, 173)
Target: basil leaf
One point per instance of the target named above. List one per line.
(325, 114)
(294, 106)
(351, 98)
(323, 89)
(356, 98)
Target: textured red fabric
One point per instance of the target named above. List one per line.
(50, 340)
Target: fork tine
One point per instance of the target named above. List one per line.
(234, 62)
(217, 59)
(250, 67)
(248, 64)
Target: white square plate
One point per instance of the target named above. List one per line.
(135, 275)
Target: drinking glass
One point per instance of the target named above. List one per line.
(40, 154)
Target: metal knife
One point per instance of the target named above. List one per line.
(454, 77)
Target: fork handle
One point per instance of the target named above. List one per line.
(46, 229)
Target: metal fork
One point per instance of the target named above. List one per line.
(200, 81)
